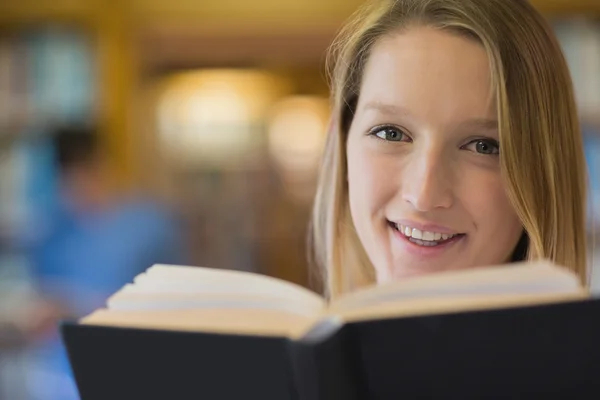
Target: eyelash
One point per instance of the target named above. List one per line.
(490, 142)
(374, 131)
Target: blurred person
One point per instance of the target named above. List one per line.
(455, 143)
(95, 241)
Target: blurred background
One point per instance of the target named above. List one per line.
(182, 131)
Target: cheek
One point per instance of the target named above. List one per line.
(371, 187)
(359, 184)
(370, 182)
(494, 217)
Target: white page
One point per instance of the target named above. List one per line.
(127, 301)
(249, 321)
(541, 277)
(199, 281)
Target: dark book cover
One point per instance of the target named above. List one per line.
(533, 352)
(125, 364)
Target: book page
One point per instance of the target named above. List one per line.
(177, 300)
(250, 321)
(198, 299)
(456, 304)
(184, 279)
(204, 299)
(519, 279)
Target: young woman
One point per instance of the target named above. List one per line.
(454, 144)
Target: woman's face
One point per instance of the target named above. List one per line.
(424, 180)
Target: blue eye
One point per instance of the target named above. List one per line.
(390, 134)
(484, 146)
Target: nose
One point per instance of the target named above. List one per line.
(427, 181)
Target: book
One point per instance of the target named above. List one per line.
(182, 332)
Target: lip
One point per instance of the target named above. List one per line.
(404, 245)
(425, 226)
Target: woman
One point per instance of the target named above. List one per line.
(454, 144)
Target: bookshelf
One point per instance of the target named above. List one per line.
(47, 77)
(117, 30)
(116, 24)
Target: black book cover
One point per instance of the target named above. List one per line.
(126, 364)
(534, 352)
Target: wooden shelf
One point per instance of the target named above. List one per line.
(562, 7)
(257, 12)
(120, 27)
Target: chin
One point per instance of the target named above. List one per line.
(400, 273)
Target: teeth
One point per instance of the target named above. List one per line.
(424, 243)
(419, 236)
(428, 236)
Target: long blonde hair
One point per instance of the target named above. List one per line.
(542, 158)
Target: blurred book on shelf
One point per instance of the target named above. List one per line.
(579, 37)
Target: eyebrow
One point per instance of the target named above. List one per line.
(390, 109)
(385, 108)
(481, 123)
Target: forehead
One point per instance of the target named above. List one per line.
(429, 71)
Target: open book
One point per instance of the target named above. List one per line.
(525, 330)
(211, 300)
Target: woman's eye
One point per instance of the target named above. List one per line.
(390, 134)
(484, 146)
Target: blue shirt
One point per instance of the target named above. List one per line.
(82, 259)
(95, 254)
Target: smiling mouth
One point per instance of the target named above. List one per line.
(424, 238)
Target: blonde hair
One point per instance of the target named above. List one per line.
(542, 158)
